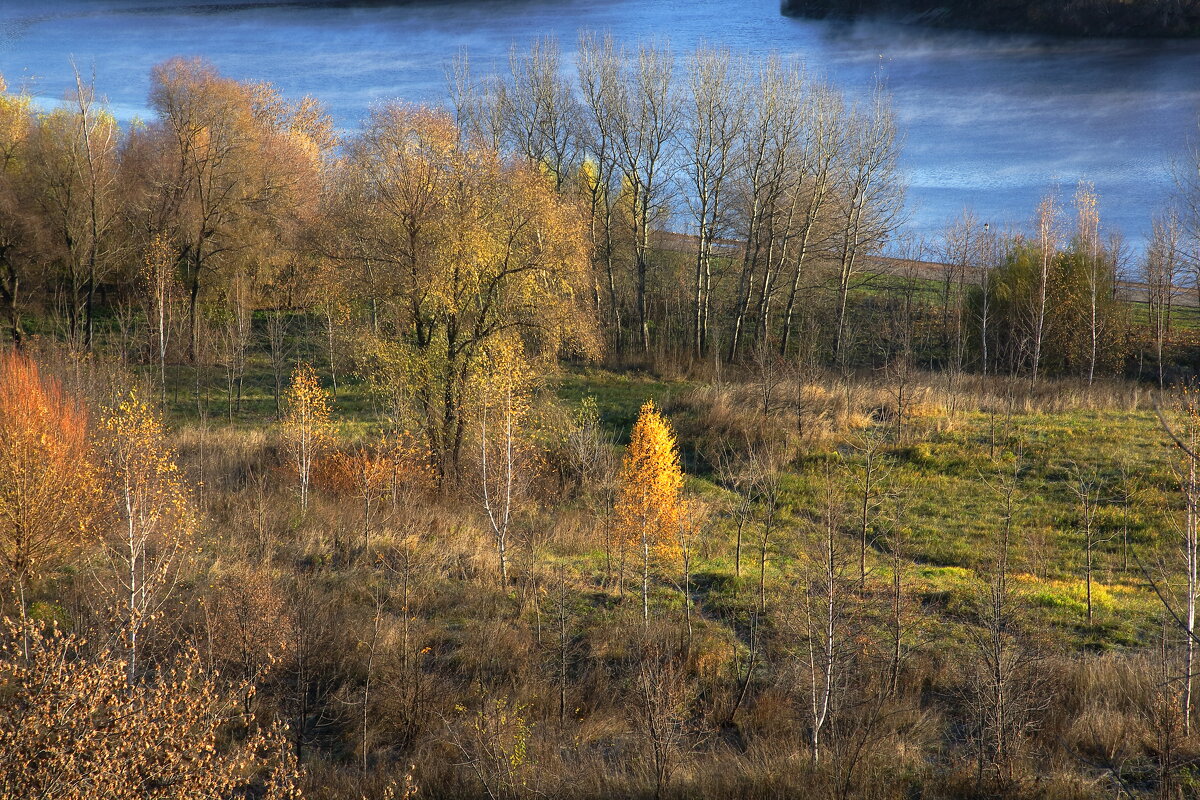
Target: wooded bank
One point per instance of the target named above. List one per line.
(1114, 18)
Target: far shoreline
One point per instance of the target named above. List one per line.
(1022, 17)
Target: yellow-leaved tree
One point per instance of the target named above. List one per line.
(305, 424)
(649, 500)
(508, 458)
(450, 250)
(152, 520)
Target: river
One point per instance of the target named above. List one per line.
(990, 121)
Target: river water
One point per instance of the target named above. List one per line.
(990, 121)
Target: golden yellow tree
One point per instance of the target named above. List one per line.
(305, 424)
(48, 484)
(459, 250)
(649, 500)
(153, 520)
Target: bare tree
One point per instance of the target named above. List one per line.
(768, 146)
(824, 140)
(101, 141)
(768, 490)
(1047, 224)
(872, 201)
(1002, 692)
(563, 656)
(1087, 487)
(824, 618)
(1128, 496)
(161, 299)
(1160, 268)
(73, 167)
(961, 256)
(989, 260)
(503, 458)
(1187, 200)
(899, 615)
(645, 110)
(1094, 265)
(716, 115)
(658, 710)
(1186, 437)
(539, 110)
(736, 474)
(870, 446)
(479, 104)
(599, 81)
(1191, 556)
(900, 357)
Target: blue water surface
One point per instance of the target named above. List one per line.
(990, 121)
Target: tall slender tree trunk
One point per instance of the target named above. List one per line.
(645, 575)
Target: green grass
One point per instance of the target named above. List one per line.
(948, 481)
(619, 395)
(953, 512)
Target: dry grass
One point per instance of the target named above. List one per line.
(813, 411)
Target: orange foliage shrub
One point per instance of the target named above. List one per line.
(397, 466)
(48, 482)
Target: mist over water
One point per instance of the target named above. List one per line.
(990, 121)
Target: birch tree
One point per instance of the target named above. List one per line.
(1088, 243)
(153, 522)
(1086, 486)
(824, 140)
(598, 68)
(645, 110)
(541, 111)
(305, 425)
(823, 612)
(872, 201)
(1160, 268)
(1046, 223)
(506, 457)
(766, 207)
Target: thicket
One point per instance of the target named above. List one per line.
(310, 482)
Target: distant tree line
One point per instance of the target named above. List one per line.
(1063, 17)
(539, 210)
(697, 211)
